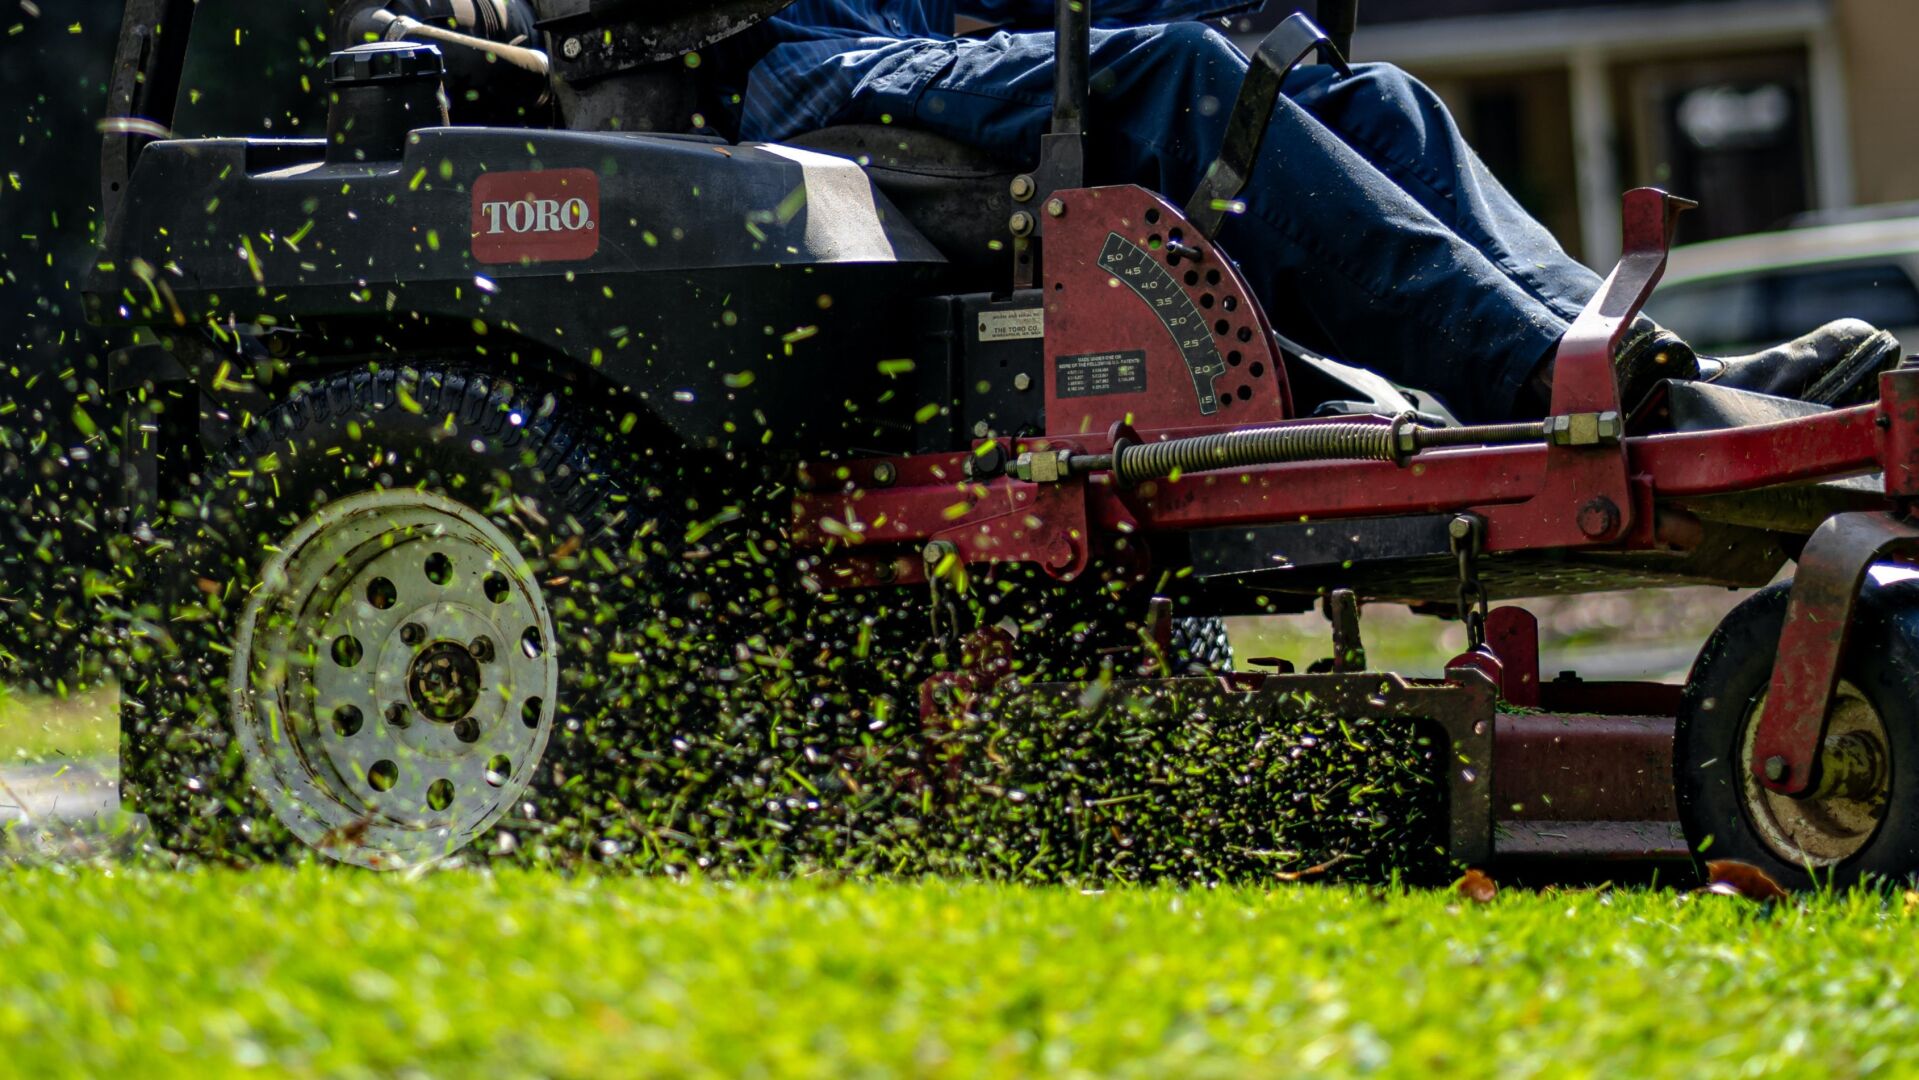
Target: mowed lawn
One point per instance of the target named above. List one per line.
(118, 971)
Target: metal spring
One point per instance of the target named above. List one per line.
(1256, 446)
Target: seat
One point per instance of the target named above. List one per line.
(957, 195)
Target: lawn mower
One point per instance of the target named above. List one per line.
(391, 390)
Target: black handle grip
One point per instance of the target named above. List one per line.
(1339, 18)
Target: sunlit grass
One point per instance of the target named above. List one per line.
(42, 727)
(320, 972)
(1648, 633)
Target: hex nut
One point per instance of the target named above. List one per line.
(1056, 207)
(1022, 187)
(1020, 224)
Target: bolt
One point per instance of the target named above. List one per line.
(1056, 207)
(1022, 187)
(1022, 381)
(482, 649)
(1459, 528)
(412, 633)
(884, 474)
(1020, 224)
(988, 460)
(938, 552)
(1599, 518)
(571, 48)
(1775, 768)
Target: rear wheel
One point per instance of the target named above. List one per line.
(1862, 819)
(394, 677)
(409, 611)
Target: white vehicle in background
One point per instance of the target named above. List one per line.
(1731, 296)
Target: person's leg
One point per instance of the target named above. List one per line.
(1371, 230)
(1343, 256)
(1407, 132)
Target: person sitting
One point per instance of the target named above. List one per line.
(1371, 231)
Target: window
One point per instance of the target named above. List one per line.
(1729, 314)
(1880, 293)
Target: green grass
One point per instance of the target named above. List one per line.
(315, 971)
(42, 727)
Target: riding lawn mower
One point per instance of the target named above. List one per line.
(443, 440)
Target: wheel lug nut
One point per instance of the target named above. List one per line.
(467, 730)
(482, 649)
(396, 715)
(412, 633)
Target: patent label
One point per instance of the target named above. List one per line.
(1018, 325)
(1093, 374)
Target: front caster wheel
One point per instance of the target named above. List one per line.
(1862, 819)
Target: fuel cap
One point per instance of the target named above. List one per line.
(385, 61)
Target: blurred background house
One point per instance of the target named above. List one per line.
(1760, 109)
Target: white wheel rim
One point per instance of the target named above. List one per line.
(393, 680)
(1816, 831)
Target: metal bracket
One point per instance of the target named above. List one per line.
(141, 91)
(1349, 651)
(1587, 495)
(1812, 644)
(942, 560)
(1062, 150)
(1468, 532)
(1277, 56)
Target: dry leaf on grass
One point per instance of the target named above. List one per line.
(1730, 877)
(1477, 887)
(1311, 871)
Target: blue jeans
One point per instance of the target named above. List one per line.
(1371, 231)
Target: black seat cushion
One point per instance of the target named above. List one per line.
(956, 194)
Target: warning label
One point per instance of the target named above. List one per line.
(1093, 374)
(1016, 325)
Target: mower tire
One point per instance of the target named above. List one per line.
(1862, 829)
(406, 609)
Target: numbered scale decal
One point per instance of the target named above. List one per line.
(1153, 283)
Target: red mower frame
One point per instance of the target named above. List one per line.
(1601, 756)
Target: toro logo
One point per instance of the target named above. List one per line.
(547, 216)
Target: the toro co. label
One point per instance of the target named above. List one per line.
(547, 216)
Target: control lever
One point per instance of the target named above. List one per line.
(1276, 57)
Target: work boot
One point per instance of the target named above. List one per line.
(1649, 354)
(1837, 364)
